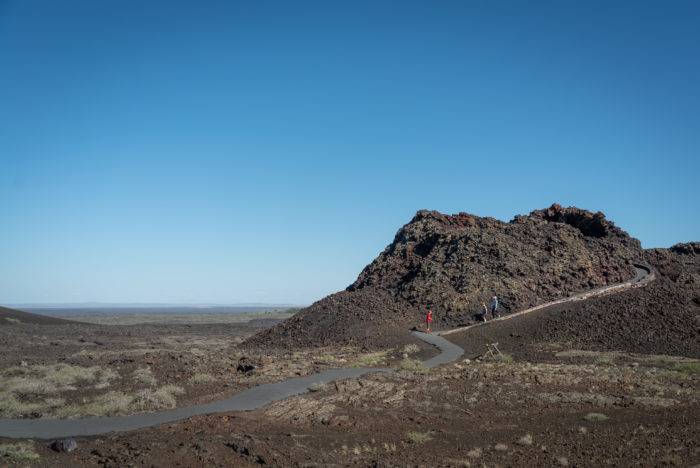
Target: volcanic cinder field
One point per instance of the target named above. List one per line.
(610, 378)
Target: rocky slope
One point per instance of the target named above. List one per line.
(456, 262)
(661, 318)
(11, 317)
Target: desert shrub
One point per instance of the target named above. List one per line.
(10, 406)
(327, 359)
(604, 360)
(21, 387)
(46, 379)
(504, 358)
(411, 348)
(17, 452)
(109, 404)
(688, 368)
(416, 437)
(595, 417)
(413, 365)
(200, 378)
(152, 400)
(144, 375)
(371, 359)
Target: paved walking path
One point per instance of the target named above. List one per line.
(261, 395)
(643, 275)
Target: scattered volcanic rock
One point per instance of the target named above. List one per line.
(455, 263)
(63, 445)
(661, 318)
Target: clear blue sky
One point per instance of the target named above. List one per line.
(266, 151)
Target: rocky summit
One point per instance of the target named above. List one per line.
(457, 262)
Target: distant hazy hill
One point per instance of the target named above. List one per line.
(13, 317)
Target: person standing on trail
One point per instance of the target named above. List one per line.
(428, 319)
(494, 306)
(481, 315)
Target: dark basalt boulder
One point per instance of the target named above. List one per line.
(63, 445)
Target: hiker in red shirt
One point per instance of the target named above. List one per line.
(428, 319)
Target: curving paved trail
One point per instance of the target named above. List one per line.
(261, 395)
(643, 275)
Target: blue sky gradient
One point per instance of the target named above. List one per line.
(266, 151)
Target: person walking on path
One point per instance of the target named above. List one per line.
(494, 307)
(428, 319)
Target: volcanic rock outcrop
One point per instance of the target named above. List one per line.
(661, 318)
(456, 263)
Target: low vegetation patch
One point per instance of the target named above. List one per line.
(109, 404)
(114, 403)
(17, 452)
(11, 406)
(13, 320)
(144, 375)
(687, 368)
(413, 365)
(201, 378)
(327, 359)
(411, 348)
(595, 417)
(41, 379)
(32, 390)
(371, 359)
(416, 437)
(153, 400)
(504, 358)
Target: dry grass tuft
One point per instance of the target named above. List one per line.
(22, 388)
(145, 376)
(109, 404)
(153, 400)
(595, 417)
(201, 378)
(687, 368)
(371, 359)
(416, 437)
(504, 358)
(17, 452)
(42, 380)
(413, 365)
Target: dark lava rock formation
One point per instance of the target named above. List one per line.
(456, 262)
(661, 318)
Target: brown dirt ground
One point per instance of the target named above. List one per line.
(202, 359)
(468, 414)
